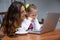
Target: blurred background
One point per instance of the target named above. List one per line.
(44, 7)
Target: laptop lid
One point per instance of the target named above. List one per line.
(50, 22)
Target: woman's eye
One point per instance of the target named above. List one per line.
(33, 15)
(22, 11)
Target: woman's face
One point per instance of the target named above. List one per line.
(23, 12)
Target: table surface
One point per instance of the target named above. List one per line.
(53, 35)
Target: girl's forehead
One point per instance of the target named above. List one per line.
(32, 9)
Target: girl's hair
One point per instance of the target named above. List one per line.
(12, 19)
(29, 6)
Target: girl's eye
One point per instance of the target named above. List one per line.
(34, 15)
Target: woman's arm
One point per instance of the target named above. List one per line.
(25, 24)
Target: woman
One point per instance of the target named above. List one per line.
(13, 18)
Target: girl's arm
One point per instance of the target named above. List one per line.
(37, 25)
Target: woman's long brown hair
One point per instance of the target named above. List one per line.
(12, 19)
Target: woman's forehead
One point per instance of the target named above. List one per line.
(22, 8)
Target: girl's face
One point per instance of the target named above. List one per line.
(23, 12)
(33, 13)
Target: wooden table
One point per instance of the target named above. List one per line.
(53, 35)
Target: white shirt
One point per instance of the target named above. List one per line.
(26, 23)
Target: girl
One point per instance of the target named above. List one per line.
(13, 19)
(32, 13)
